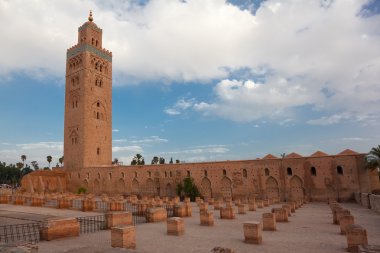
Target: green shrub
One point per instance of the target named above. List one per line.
(82, 190)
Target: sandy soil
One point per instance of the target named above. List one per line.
(310, 229)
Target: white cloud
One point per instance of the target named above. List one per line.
(310, 54)
(42, 145)
(131, 149)
(180, 106)
(149, 140)
(211, 149)
(115, 130)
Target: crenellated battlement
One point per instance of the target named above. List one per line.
(79, 48)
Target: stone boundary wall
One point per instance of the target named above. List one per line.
(368, 200)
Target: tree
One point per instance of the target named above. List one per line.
(138, 159)
(155, 160)
(188, 189)
(373, 158)
(19, 165)
(177, 161)
(61, 160)
(26, 170)
(171, 160)
(23, 158)
(115, 161)
(162, 160)
(35, 165)
(49, 159)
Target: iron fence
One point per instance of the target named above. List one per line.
(91, 224)
(20, 233)
(101, 206)
(77, 204)
(138, 214)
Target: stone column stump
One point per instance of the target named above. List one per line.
(356, 235)
(252, 232)
(55, 228)
(203, 207)
(175, 226)
(207, 218)
(217, 205)
(340, 213)
(227, 212)
(123, 237)
(335, 210)
(188, 209)
(115, 219)
(241, 209)
(180, 210)
(269, 222)
(288, 209)
(344, 222)
(280, 214)
(156, 214)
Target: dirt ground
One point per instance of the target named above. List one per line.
(310, 229)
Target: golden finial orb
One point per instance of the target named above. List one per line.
(90, 18)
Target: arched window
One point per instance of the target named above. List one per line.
(98, 151)
(76, 103)
(166, 174)
(171, 174)
(149, 174)
(245, 173)
(79, 175)
(100, 68)
(92, 41)
(289, 171)
(73, 104)
(339, 170)
(110, 175)
(97, 115)
(266, 172)
(224, 172)
(96, 42)
(313, 171)
(188, 173)
(98, 104)
(96, 65)
(205, 173)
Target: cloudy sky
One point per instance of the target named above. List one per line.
(199, 80)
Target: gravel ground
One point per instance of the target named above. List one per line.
(310, 229)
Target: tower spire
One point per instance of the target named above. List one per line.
(90, 18)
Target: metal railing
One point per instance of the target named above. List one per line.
(20, 233)
(91, 224)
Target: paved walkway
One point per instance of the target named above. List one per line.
(310, 229)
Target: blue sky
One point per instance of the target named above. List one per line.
(199, 80)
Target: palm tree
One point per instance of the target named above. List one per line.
(115, 161)
(49, 159)
(61, 160)
(23, 158)
(138, 159)
(373, 158)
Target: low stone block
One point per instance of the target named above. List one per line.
(340, 213)
(188, 209)
(252, 232)
(335, 210)
(252, 206)
(180, 210)
(344, 222)
(280, 214)
(207, 218)
(356, 236)
(203, 207)
(241, 209)
(217, 205)
(288, 209)
(175, 226)
(115, 219)
(56, 228)
(227, 213)
(269, 222)
(123, 237)
(156, 214)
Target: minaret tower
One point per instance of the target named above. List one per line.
(88, 101)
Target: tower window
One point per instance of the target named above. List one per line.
(313, 171)
(289, 171)
(149, 174)
(244, 173)
(96, 42)
(224, 172)
(98, 151)
(97, 115)
(76, 103)
(205, 173)
(100, 68)
(92, 41)
(110, 175)
(98, 104)
(266, 172)
(339, 170)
